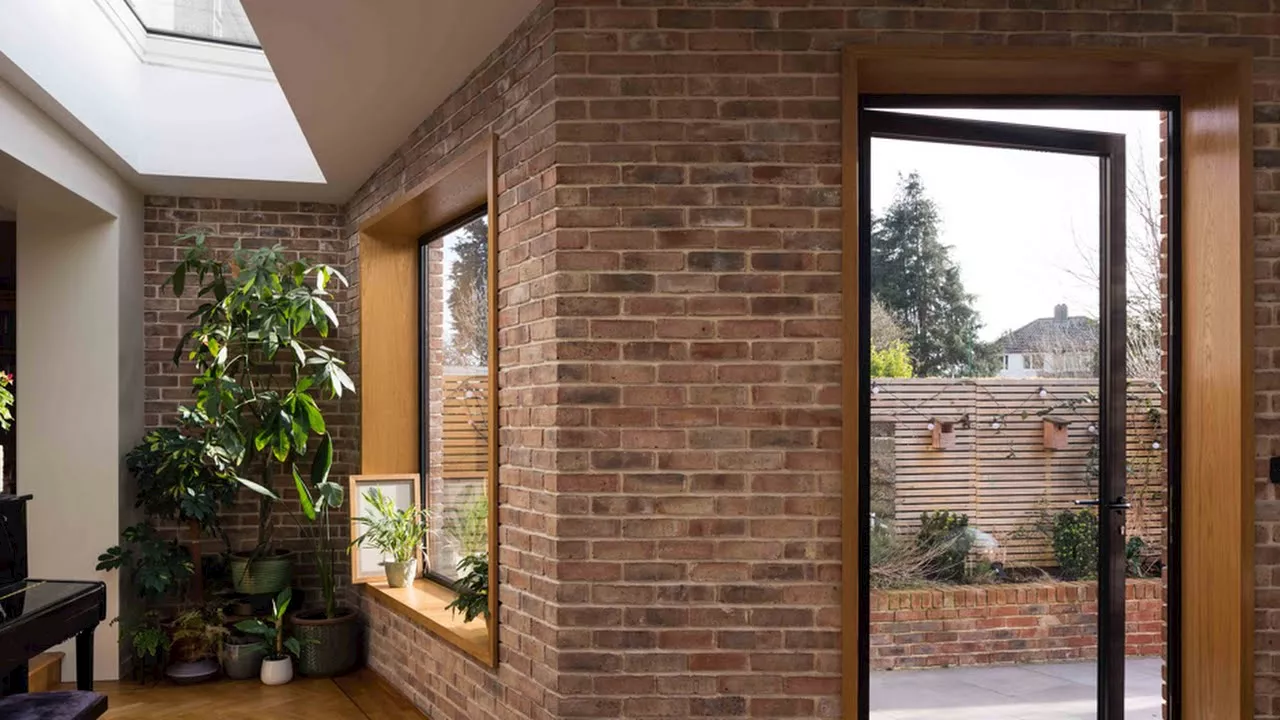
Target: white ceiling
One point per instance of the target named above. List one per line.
(360, 76)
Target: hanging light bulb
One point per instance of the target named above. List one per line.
(1044, 393)
(875, 388)
(1155, 445)
(1093, 429)
(995, 424)
(930, 426)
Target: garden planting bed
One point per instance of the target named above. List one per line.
(1006, 624)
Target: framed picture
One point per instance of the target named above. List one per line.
(366, 562)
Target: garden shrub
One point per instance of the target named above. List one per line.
(1075, 543)
(944, 541)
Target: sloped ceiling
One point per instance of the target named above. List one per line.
(360, 76)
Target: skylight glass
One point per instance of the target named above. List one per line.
(216, 20)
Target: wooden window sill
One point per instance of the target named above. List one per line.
(424, 603)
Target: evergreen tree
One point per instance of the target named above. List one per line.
(468, 297)
(914, 277)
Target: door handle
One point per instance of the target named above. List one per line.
(1120, 504)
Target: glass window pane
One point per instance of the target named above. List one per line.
(456, 383)
(218, 20)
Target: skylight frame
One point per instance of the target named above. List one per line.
(174, 34)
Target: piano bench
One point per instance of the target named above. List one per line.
(61, 705)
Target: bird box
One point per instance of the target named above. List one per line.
(1055, 433)
(944, 434)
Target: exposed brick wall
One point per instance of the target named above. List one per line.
(508, 95)
(669, 333)
(1006, 624)
(310, 230)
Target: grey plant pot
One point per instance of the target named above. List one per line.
(401, 574)
(241, 662)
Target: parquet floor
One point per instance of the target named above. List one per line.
(358, 696)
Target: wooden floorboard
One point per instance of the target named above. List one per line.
(359, 696)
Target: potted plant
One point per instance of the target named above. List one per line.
(260, 367)
(396, 533)
(330, 634)
(472, 587)
(278, 648)
(195, 638)
(242, 656)
(150, 644)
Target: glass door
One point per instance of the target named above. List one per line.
(1005, 456)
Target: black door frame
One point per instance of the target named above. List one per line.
(1109, 148)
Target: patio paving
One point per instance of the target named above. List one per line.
(1063, 691)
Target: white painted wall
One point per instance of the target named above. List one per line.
(159, 118)
(80, 345)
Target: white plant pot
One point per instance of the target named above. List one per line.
(277, 672)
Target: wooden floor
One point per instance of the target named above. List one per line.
(358, 696)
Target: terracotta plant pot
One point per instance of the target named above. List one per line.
(330, 646)
(277, 672)
(266, 575)
(401, 574)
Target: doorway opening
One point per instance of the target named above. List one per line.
(1019, 306)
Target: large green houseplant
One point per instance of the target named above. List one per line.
(261, 367)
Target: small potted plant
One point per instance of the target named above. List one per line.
(195, 638)
(277, 666)
(242, 656)
(396, 533)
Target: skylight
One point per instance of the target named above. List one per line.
(221, 21)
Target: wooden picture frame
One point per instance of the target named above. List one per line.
(364, 568)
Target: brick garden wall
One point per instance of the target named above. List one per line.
(669, 332)
(1006, 624)
(310, 230)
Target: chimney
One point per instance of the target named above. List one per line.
(1060, 313)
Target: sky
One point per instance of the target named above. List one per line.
(1023, 226)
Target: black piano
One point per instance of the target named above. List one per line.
(37, 614)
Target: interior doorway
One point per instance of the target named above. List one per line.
(1019, 376)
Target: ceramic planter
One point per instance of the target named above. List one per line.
(242, 658)
(330, 646)
(261, 576)
(277, 672)
(401, 574)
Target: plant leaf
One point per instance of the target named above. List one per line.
(304, 496)
(323, 461)
(257, 488)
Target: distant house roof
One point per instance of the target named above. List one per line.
(1052, 334)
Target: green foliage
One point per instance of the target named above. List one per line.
(945, 542)
(272, 638)
(893, 361)
(261, 369)
(1074, 536)
(919, 284)
(472, 587)
(393, 531)
(197, 634)
(157, 567)
(260, 361)
(150, 643)
(468, 526)
(6, 401)
(468, 296)
(177, 480)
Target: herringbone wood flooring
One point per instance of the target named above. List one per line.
(359, 696)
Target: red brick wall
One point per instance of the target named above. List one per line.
(311, 230)
(670, 355)
(509, 95)
(1006, 624)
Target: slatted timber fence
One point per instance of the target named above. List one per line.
(998, 470)
(466, 427)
